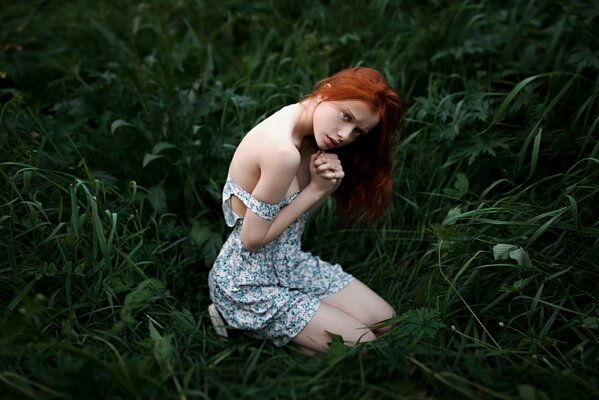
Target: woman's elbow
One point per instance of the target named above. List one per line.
(253, 239)
(250, 244)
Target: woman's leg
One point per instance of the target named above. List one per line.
(362, 303)
(330, 319)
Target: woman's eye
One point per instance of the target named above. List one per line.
(346, 116)
(358, 131)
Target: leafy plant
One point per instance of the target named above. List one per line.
(117, 123)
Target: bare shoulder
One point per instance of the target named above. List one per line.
(267, 147)
(279, 153)
(271, 140)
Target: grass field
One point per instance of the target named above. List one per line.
(117, 123)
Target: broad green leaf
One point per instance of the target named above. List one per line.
(337, 348)
(519, 285)
(117, 124)
(451, 217)
(157, 197)
(148, 158)
(591, 322)
(461, 184)
(122, 282)
(503, 251)
(521, 257)
(451, 192)
(200, 234)
(158, 147)
(162, 346)
(460, 187)
(141, 297)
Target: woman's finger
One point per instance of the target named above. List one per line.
(326, 157)
(332, 175)
(327, 166)
(323, 160)
(330, 171)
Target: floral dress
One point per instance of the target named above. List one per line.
(272, 292)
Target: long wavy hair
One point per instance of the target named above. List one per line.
(366, 190)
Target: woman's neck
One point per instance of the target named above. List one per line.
(303, 132)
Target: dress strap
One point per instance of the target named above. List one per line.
(262, 209)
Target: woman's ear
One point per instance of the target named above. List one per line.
(322, 97)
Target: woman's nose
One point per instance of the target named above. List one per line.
(343, 133)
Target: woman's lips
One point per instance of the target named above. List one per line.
(330, 142)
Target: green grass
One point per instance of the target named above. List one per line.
(117, 123)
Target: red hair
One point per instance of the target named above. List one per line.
(366, 189)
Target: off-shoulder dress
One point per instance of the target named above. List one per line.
(272, 292)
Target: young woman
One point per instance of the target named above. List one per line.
(337, 140)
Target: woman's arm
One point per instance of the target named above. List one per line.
(276, 174)
(328, 166)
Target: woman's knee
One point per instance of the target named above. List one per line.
(315, 335)
(379, 323)
(379, 313)
(387, 312)
(362, 303)
(367, 335)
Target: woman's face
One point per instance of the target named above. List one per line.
(338, 123)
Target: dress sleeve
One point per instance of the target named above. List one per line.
(264, 210)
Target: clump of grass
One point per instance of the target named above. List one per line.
(117, 122)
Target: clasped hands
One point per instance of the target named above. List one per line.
(326, 171)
